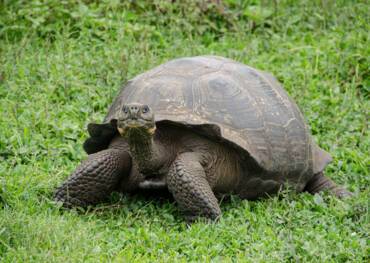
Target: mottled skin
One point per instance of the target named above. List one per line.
(193, 167)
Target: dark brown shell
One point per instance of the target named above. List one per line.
(232, 101)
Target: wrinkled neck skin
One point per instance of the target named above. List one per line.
(145, 151)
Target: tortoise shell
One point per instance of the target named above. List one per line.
(227, 101)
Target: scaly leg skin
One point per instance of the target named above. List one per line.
(94, 179)
(188, 184)
(322, 183)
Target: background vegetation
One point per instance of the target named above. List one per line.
(61, 64)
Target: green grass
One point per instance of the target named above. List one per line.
(61, 64)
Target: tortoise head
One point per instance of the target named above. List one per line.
(136, 117)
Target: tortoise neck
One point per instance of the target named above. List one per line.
(143, 149)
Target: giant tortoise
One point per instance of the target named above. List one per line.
(200, 127)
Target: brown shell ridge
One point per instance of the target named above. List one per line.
(195, 116)
(267, 165)
(249, 148)
(288, 105)
(277, 94)
(297, 116)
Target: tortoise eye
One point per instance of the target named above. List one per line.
(125, 109)
(145, 109)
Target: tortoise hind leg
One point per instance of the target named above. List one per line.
(94, 179)
(320, 183)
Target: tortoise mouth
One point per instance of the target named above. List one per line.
(131, 125)
(134, 123)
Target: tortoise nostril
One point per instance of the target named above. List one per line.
(134, 110)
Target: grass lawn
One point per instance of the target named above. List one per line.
(62, 63)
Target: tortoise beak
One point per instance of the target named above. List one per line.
(132, 123)
(124, 125)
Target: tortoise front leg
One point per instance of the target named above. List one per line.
(187, 182)
(95, 178)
